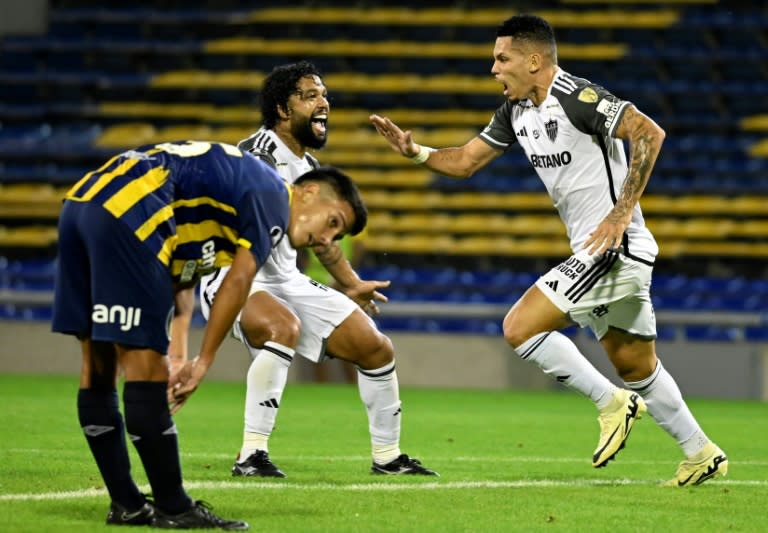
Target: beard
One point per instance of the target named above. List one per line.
(303, 133)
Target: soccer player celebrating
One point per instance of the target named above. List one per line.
(288, 313)
(136, 232)
(572, 132)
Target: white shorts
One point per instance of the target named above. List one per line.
(602, 291)
(319, 308)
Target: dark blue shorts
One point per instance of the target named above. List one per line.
(109, 286)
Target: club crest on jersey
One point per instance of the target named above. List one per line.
(551, 127)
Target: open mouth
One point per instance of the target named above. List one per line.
(320, 124)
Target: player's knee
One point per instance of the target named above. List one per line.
(632, 365)
(282, 327)
(377, 353)
(514, 334)
(634, 358)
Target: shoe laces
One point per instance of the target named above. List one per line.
(260, 457)
(405, 459)
(206, 510)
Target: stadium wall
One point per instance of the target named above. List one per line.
(737, 370)
(29, 17)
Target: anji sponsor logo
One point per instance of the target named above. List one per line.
(127, 317)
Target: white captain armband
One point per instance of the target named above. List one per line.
(423, 154)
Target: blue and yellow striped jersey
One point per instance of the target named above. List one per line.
(192, 203)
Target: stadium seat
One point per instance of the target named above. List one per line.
(105, 79)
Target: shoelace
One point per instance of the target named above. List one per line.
(206, 510)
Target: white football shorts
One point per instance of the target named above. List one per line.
(602, 291)
(319, 308)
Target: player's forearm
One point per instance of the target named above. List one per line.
(230, 299)
(645, 140)
(332, 258)
(178, 349)
(450, 162)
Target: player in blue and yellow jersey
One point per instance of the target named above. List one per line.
(134, 238)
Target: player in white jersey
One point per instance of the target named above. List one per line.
(571, 131)
(288, 313)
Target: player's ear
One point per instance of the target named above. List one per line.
(534, 62)
(309, 190)
(283, 112)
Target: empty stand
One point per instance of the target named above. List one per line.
(102, 80)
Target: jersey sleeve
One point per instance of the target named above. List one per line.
(263, 214)
(592, 109)
(262, 153)
(499, 133)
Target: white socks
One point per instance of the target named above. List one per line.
(264, 390)
(560, 359)
(666, 406)
(380, 393)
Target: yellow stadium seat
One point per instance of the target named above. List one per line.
(755, 123)
(31, 201)
(184, 132)
(754, 229)
(127, 135)
(476, 16)
(28, 236)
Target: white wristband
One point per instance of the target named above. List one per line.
(423, 154)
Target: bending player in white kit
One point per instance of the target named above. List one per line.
(287, 313)
(572, 131)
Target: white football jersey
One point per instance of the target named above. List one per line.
(265, 143)
(569, 140)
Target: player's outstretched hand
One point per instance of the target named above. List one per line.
(400, 141)
(366, 294)
(183, 382)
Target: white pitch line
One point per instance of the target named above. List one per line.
(461, 458)
(470, 459)
(375, 487)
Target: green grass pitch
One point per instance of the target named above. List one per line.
(509, 461)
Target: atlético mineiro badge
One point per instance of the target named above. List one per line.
(551, 127)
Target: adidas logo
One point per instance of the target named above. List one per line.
(551, 284)
(270, 403)
(93, 430)
(522, 133)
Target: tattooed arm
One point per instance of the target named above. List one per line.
(645, 138)
(364, 293)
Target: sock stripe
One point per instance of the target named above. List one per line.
(526, 354)
(643, 385)
(377, 374)
(268, 347)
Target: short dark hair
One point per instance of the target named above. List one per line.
(278, 87)
(530, 28)
(344, 187)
